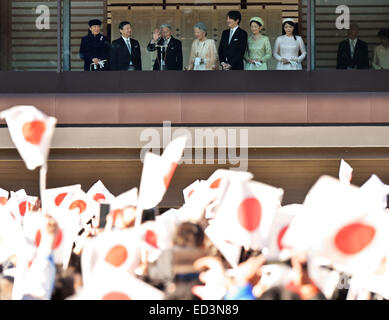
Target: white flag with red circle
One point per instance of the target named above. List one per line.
(345, 172)
(377, 190)
(280, 225)
(3, 197)
(157, 173)
(31, 131)
(342, 227)
(229, 250)
(120, 249)
(245, 216)
(86, 207)
(54, 198)
(189, 190)
(99, 192)
(126, 199)
(10, 234)
(109, 283)
(18, 204)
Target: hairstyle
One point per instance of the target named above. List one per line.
(383, 33)
(254, 21)
(189, 235)
(201, 26)
(166, 25)
(295, 33)
(235, 15)
(122, 24)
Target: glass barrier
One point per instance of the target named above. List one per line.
(28, 35)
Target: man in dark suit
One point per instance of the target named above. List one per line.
(169, 49)
(353, 53)
(233, 43)
(125, 51)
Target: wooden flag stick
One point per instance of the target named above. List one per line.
(42, 183)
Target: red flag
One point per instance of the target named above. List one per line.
(31, 131)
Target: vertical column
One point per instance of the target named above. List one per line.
(311, 37)
(59, 36)
(66, 36)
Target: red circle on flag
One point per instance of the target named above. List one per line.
(99, 196)
(117, 255)
(80, 204)
(57, 240)
(3, 201)
(168, 177)
(115, 295)
(250, 213)
(58, 199)
(280, 236)
(190, 193)
(151, 238)
(33, 131)
(23, 208)
(216, 183)
(354, 237)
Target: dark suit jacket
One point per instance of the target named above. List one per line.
(94, 47)
(360, 59)
(120, 56)
(233, 53)
(173, 57)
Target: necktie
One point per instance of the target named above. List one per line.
(128, 45)
(231, 33)
(352, 48)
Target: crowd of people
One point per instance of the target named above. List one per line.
(236, 51)
(210, 248)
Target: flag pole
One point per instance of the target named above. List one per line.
(42, 182)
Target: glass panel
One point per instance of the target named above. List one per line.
(28, 35)
(347, 34)
(182, 16)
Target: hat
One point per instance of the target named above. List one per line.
(94, 22)
(257, 19)
(287, 20)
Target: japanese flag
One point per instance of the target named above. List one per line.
(119, 249)
(229, 250)
(345, 172)
(126, 199)
(67, 231)
(18, 204)
(280, 225)
(86, 207)
(99, 192)
(245, 216)
(31, 131)
(189, 190)
(157, 173)
(56, 197)
(10, 235)
(342, 226)
(377, 190)
(3, 197)
(109, 283)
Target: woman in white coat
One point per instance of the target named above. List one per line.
(289, 49)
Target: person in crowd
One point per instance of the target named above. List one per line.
(381, 52)
(233, 43)
(169, 49)
(353, 53)
(258, 50)
(125, 51)
(203, 55)
(94, 48)
(289, 49)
